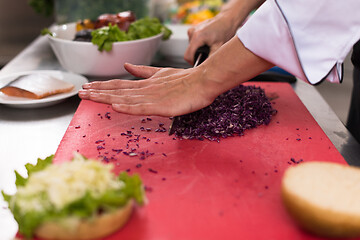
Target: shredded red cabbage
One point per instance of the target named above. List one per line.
(231, 113)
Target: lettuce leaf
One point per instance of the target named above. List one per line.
(28, 222)
(40, 165)
(30, 168)
(6, 197)
(19, 180)
(143, 28)
(32, 219)
(133, 187)
(105, 36)
(148, 27)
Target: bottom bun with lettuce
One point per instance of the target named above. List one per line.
(80, 199)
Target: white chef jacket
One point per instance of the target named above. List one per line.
(308, 38)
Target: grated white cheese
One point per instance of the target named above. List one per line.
(61, 184)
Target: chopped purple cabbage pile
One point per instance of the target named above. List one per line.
(231, 113)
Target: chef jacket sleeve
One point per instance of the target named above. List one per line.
(307, 38)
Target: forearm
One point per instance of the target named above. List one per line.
(230, 66)
(236, 11)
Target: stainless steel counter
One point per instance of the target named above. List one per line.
(27, 134)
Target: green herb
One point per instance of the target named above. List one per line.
(143, 28)
(46, 31)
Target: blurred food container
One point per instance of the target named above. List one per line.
(181, 17)
(194, 12)
(85, 58)
(74, 10)
(162, 9)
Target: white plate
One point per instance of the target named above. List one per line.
(18, 102)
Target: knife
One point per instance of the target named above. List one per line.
(200, 56)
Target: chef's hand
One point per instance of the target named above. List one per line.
(164, 92)
(216, 31)
(213, 32)
(172, 92)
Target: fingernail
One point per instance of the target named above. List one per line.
(82, 93)
(86, 85)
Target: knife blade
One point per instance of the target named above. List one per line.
(200, 56)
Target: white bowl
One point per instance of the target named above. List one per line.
(174, 48)
(85, 58)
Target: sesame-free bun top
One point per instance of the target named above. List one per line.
(324, 198)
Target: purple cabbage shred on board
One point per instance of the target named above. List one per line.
(117, 150)
(231, 113)
(152, 170)
(107, 115)
(100, 147)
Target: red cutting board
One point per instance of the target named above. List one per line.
(202, 189)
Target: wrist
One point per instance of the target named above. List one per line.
(216, 77)
(230, 66)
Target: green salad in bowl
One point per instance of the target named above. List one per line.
(143, 28)
(101, 47)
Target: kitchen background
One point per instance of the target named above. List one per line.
(20, 25)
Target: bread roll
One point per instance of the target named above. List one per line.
(324, 198)
(100, 226)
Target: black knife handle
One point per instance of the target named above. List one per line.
(204, 50)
